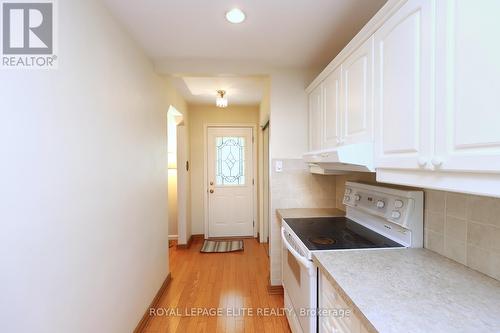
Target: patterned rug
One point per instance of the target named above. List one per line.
(211, 246)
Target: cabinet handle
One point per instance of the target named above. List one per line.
(437, 162)
(422, 162)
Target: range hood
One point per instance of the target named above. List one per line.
(342, 159)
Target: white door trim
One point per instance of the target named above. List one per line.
(205, 171)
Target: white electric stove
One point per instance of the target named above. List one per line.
(376, 217)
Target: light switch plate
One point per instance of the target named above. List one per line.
(279, 166)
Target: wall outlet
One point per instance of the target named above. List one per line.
(279, 166)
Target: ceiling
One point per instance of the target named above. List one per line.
(191, 38)
(203, 90)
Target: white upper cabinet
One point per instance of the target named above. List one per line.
(341, 107)
(468, 86)
(331, 126)
(421, 82)
(315, 118)
(357, 83)
(403, 87)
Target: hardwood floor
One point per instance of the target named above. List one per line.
(219, 282)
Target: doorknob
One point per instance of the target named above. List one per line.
(211, 183)
(211, 191)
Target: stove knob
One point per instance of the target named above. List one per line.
(357, 197)
(398, 203)
(380, 204)
(348, 191)
(395, 214)
(347, 198)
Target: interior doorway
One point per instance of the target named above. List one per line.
(265, 184)
(178, 228)
(230, 181)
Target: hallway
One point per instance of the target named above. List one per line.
(226, 280)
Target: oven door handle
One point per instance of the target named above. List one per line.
(301, 259)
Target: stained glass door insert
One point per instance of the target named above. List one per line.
(230, 160)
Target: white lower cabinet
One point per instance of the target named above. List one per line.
(335, 316)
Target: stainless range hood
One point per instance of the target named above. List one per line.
(342, 159)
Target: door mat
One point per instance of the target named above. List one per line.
(212, 246)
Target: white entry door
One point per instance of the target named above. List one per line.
(230, 182)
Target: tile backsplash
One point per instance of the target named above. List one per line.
(465, 228)
(462, 227)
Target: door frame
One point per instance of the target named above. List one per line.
(206, 126)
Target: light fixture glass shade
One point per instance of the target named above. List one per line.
(221, 100)
(235, 16)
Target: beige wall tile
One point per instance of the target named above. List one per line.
(456, 205)
(455, 249)
(483, 236)
(479, 259)
(435, 201)
(456, 228)
(434, 241)
(480, 209)
(434, 221)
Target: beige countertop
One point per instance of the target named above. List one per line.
(413, 290)
(309, 212)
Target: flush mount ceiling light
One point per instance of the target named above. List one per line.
(235, 16)
(221, 100)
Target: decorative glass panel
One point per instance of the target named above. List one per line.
(230, 160)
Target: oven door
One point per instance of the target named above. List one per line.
(300, 285)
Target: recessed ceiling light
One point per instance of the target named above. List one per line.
(235, 15)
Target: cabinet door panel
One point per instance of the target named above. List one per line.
(468, 122)
(358, 95)
(332, 111)
(404, 83)
(315, 118)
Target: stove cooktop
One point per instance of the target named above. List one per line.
(336, 233)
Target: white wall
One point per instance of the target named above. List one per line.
(288, 140)
(288, 116)
(83, 241)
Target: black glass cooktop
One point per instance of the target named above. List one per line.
(335, 233)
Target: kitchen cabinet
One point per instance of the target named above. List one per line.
(436, 79)
(341, 107)
(403, 87)
(467, 79)
(334, 313)
(419, 83)
(315, 118)
(331, 126)
(357, 83)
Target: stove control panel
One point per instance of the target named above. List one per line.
(390, 206)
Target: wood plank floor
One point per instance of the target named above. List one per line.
(226, 281)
